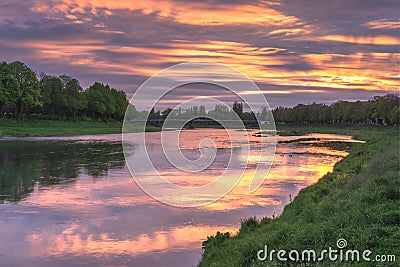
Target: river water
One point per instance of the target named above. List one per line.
(71, 201)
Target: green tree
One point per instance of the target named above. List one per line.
(9, 87)
(383, 106)
(76, 100)
(165, 113)
(395, 115)
(238, 108)
(300, 113)
(338, 111)
(202, 110)
(121, 103)
(96, 99)
(27, 94)
(104, 102)
(53, 97)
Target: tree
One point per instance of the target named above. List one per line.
(76, 100)
(27, 93)
(154, 115)
(9, 87)
(53, 97)
(202, 110)
(165, 113)
(383, 106)
(121, 103)
(97, 101)
(300, 113)
(238, 108)
(57, 96)
(381, 110)
(395, 116)
(104, 102)
(338, 111)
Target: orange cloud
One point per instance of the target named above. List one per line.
(181, 12)
(374, 40)
(383, 24)
(74, 239)
(368, 71)
(289, 32)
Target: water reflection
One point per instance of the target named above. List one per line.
(73, 202)
(24, 163)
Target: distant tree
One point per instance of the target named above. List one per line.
(165, 113)
(221, 112)
(248, 116)
(380, 110)
(53, 97)
(338, 111)
(324, 114)
(121, 103)
(61, 95)
(20, 85)
(202, 110)
(264, 114)
(100, 103)
(154, 115)
(238, 108)
(383, 106)
(9, 87)
(300, 113)
(395, 116)
(76, 100)
(131, 111)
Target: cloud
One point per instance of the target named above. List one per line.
(193, 13)
(383, 24)
(341, 46)
(374, 40)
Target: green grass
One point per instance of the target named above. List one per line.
(23, 128)
(358, 201)
(19, 128)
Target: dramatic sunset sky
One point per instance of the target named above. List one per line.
(296, 51)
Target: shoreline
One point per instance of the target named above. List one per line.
(51, 128)
(40, 128)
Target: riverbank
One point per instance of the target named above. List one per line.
(358, 201)
(24, 128)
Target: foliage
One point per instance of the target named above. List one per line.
(238, 108)
(380, 110)
(53, 95)
(57, 96)
(215, 241)
(19, 85)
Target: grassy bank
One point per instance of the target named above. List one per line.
(22, 128)
(18, 127)
(359, 202)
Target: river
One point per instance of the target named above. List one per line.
(71, 201)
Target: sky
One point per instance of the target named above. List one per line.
(296, 51)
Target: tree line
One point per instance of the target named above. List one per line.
(220, 112)
(23, 93)
(383, 110)
(380, 110)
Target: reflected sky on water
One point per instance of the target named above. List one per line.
(70, 201)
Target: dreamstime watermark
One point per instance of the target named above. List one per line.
(334, 254)
(141, 163)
